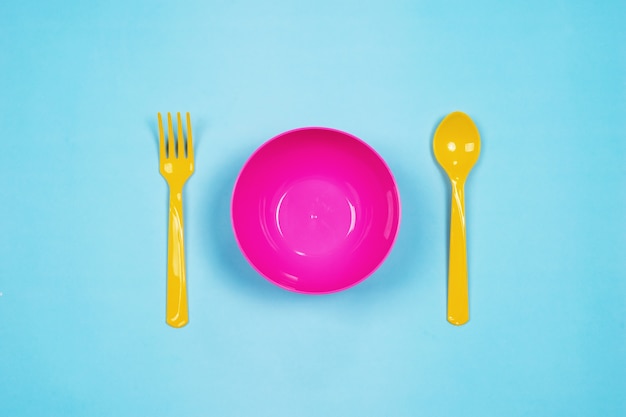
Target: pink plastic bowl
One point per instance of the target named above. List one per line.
(315, 210)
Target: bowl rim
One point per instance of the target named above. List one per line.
(395, 232)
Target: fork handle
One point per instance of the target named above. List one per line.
(177, 314)
(458, 297)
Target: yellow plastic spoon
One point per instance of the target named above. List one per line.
(457, 147)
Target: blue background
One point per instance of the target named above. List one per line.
(83, 210)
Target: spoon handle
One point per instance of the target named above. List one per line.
(458, 303)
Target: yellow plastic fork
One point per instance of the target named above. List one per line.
(176, 166)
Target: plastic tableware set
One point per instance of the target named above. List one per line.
(316, 210)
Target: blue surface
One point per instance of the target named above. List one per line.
(83, 214)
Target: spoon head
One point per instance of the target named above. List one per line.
(457, 145)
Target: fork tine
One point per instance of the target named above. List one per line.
(171, 139)
(181, 138)
(162, 152)
(189, 138)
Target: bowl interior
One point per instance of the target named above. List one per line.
(315, 210)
